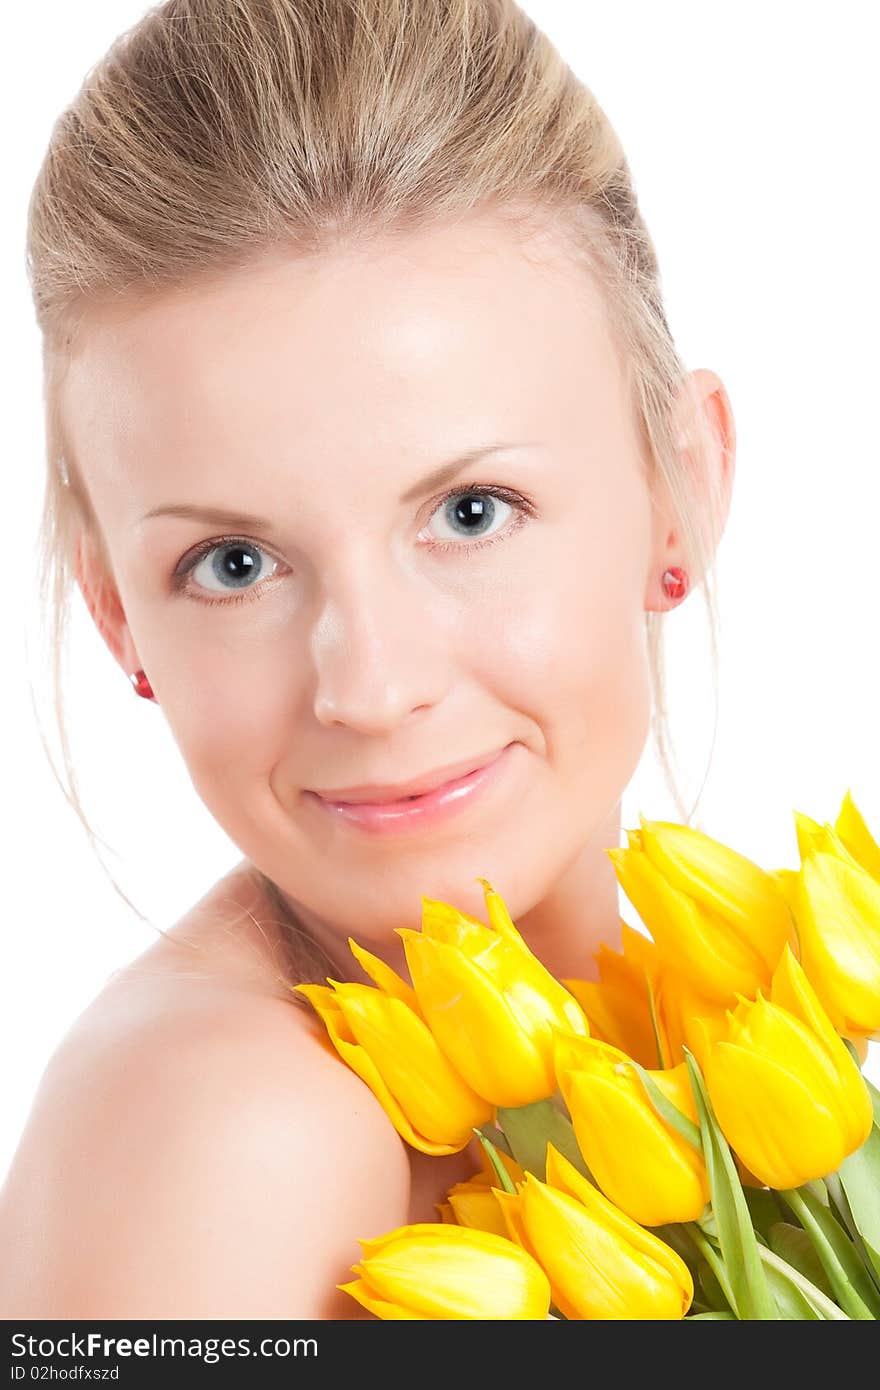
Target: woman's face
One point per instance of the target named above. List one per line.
(351, 620)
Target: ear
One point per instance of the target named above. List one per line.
(704, 426)
(102, 600)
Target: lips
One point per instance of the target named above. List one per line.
(379, 795)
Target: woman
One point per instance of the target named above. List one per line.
(373, 459)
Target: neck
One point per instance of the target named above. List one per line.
(580, 912)
(564, 928)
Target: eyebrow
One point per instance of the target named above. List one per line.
(219, 516)
(447, 471)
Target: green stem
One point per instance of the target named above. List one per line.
(501, 1172)
(839, 1204)
(713, 1260)
(848, 1297)
(841, 1207)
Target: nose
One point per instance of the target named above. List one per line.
(380, 648)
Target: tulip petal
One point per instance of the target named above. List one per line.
(442, 922)
(838, 921)
(327, 1005)
(439, 1105)
(850, 826)
(478, 1209)
(808, 833)
(448, 1271)
(474, 1024)
(791, 990)
(786, 1129)
(563, 1175)
(594, 1270)
(499, 918)
(617, 1005)
(638, 1161)
(360, 1289)
(718, 962)
(722, 881)
(388, 981)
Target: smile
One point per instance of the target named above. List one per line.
(419, 812)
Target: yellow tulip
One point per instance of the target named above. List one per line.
(717, 918)
(472, 1202)
(836, 904)
(640, 1162)
(492, 1006)
(849, 831)
(641, 1004)
(380, 1033)
(788, 1096)
(850, 826)
(475, 1205)
(601, 1264)
(618, 1004)
(438, 1271)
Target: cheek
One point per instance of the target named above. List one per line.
(231, 705)
(568, 649)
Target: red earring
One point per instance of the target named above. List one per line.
(675, 582)
(142, 685)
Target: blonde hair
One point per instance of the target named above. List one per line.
(214, 130)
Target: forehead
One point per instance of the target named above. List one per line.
(375, 348)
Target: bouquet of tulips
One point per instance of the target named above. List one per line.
(689, 1135)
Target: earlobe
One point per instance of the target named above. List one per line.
(102, 600)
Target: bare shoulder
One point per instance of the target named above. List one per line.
(206, 1156)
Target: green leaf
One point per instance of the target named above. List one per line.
(711, 1256)
(700, 1317)
(826, 1308)
(667, 1111)
(496, 1137)
(792, 1304)
(529, 1129)
(655, 1027)
(763, 1208)
(712, 1290)
(875, 1099)
(736, 1237)
(677, 1236)
(794, 1245)
(860, 1179)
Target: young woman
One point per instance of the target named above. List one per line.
(372, 457)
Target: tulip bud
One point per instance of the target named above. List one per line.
(850, 826)
(491, 1005)
(381, 1035)
(601, 1264)
(641, 1163)
(788, 1096)
(472, 1203)
(716, 917)
(641, 1004)
(836, 905)
(440, 1271)
(618, 1004)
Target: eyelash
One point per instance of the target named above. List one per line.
(181, 578)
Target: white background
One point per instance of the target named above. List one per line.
(752, 132)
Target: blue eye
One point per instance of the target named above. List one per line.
(222, 567)
(234, 568)
(470, 514)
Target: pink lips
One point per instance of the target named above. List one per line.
(416, 812)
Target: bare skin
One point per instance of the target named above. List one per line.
(316, 394)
